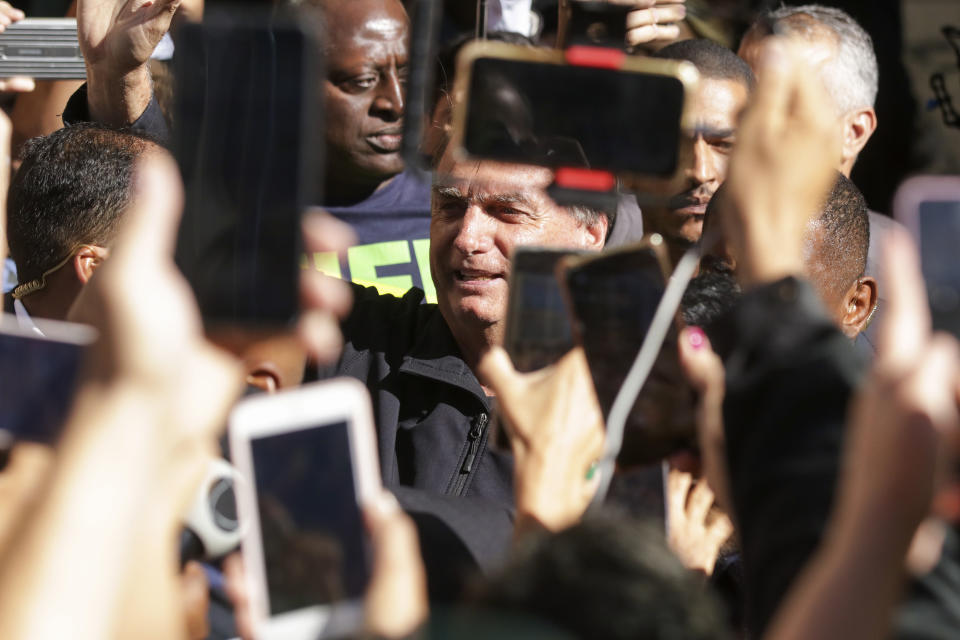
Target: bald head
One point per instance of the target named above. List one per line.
(364, 94)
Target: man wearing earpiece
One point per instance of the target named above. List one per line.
(64, 207)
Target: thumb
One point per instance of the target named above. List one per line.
(495, 370)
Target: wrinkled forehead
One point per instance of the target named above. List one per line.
(479, 179)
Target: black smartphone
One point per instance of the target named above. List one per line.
(531, 106)
(614, 297)
(247, 134)
(38, 377)
(538, 330)
(929, 206)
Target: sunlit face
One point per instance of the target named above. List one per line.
(364, 90)
(481, 212)
(716, 107)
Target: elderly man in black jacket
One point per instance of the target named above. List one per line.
(418, 359)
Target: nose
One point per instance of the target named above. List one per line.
(388, 101)
(704, 168)
(476, 231)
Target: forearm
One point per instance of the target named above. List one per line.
(72, 556)
(118, 99)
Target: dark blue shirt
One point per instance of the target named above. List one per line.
(393, 238)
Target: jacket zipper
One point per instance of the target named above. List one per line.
(474, 438)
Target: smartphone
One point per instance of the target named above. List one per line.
(246, 134)
(929, 206)
(309, 462)
(529, 105)
(43, 49)
(613, 298)
(538, 329)
(38, 377)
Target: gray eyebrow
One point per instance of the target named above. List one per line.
(449, 192)
(708, 132)
(483, 198)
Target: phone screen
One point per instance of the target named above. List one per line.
(614, 300)
(38, 377)
(245, 135)
(538, 324)
(310, 523)
(562, 115)
(939, 223)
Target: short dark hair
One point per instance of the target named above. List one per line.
(606, 577)
(711, 60)
(71, 189)
(845, 239)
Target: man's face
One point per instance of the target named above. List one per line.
(364, 89)
(481, 212)
(715, 106)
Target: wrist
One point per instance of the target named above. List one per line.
(548, 492)
(118, 97)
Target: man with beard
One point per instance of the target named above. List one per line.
(725, 85)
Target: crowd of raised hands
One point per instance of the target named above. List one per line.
(88, 532)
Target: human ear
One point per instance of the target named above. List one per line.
(595, 233)
(860, 301)
(858, 126)
(86, 261)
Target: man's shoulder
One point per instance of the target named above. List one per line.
(384, 322)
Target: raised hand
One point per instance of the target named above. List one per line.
(117, 38)
(782, 167)
(556, 432)
(695, 531)
(120, 35)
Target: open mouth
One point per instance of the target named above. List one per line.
(467, 276)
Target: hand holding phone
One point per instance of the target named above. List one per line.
(309, 458)
(614, 297)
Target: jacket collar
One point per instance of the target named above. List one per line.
(435, 355)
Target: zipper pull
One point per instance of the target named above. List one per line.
(474, 437)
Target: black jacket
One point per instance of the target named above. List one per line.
(433, 418)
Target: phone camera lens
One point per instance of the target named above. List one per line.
(223, 504)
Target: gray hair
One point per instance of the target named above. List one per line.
(851, 75)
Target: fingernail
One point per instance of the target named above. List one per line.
(696, 337)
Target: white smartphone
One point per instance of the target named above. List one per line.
(929, 206)
(309, 460)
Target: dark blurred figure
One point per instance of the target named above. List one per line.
(606, 578)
